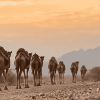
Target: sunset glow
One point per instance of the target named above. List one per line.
(49, 27)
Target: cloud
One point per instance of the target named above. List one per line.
(14, 3)
(48, 13)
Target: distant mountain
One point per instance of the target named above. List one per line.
(90, 58)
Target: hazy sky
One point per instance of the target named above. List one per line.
(49, 27)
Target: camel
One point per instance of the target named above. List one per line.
(52, 69)
(36, 66)
(83, 71)
(22, 62)
(61, 71)
(4, 65)
(74, 70)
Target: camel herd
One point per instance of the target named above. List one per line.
(23, 61)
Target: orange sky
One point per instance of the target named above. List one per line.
(49, 27)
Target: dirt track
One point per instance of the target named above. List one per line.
(67, 91)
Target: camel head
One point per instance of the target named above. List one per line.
(61, 62)
(77, 63)
(42, 58)
(9, 54)
(30, 55)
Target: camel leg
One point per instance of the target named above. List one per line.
(27, 78)
(24, 77)
(63, 78)
(41, 78)
(39, 74)
(51, 77)
(17, 71)
(83, 77)
(75, 77)
(38, 78)
(34, 77)
(72, 77)
(7, 70)
(59, 77)
(54, 78)
(19, 77)
(5, 77)
(1, 71)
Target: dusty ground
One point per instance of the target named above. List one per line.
(67, 91)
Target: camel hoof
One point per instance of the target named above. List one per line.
(28, 86)
(5, 88)
(25, 86)
(52, 83)
(19, 87)
(38, 84)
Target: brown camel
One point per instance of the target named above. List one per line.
(4, 65)
(74, 70)
(36, 66)
(61, 71)
(83, 71)
(22, 62)
(52, 69)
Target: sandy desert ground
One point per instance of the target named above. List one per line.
(66, 91)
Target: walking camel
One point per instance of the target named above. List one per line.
(36, 66)
(22, 62)
(4, 64)
(61, 71)
(83, 71)
(74, 70)
(52, 69)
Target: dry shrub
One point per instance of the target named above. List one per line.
(11, 77)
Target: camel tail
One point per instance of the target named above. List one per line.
(19, 59)
(32, 67)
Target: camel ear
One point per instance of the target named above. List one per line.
(11, 51)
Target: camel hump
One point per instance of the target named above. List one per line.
(61, 67)
(74, 64)
(22, 50)
(83, 67)
(53, 59)
(36, 56)
(3, 51)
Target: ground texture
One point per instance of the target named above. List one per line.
(66, 91)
